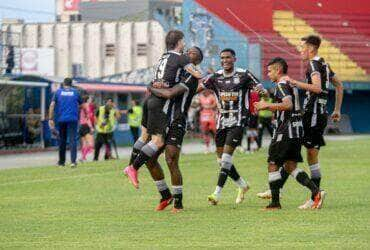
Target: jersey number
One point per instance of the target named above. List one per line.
(161, 67)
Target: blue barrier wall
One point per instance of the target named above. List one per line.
(356, 104)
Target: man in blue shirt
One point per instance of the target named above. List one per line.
(65, 105)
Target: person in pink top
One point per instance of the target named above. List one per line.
(86, 127)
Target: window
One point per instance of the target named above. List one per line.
(110, 49)
(141, 49)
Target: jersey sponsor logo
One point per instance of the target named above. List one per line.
(230, 121)
(67, 93)
(229, 96)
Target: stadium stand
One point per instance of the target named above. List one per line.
(347, 32)
(293, 28)
(278, 25)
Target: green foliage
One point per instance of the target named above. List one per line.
(94, 206)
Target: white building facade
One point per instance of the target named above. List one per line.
(93, 49)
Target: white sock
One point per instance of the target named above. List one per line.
(241, 183)
(161, 185)
(177, 189)
(218, 191)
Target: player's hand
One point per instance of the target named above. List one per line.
(51, 124)
(159, 85)
(261, 105)
(289, 80)
(260, 89)
(335, 116)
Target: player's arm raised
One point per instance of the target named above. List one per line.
(336, 115)
(285, 105)
(315, 87)
(168, 93)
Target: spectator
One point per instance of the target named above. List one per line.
(65, 103)
(105, 121)
(264, 121)
(86, 128)
(134, 115)
(33, 125)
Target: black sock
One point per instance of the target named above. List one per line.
(284, 176)
(275, 191)
(234, 173)
(222, 177)
(135, 152)
(303, 179)
(146, 152)
(316, 181)
(165, 194)
(140, 160)
(178, 200)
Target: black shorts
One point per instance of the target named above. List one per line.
(144, 119)
(253, 122)
(84, 130)
(175, 134)
(285, 150)
(314, 126)
(156, 115)
(229, 136)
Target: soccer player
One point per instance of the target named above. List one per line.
(231, 86)
(156, 110)
(285, 147)
(207, 116)
(181, 96)
(318, 77)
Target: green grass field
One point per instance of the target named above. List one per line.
(94, 206)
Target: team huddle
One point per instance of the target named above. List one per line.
(177, 78)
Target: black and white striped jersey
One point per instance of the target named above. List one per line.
(169, 68)
(232, 92)
(316, 103)
(288, 123)
(181, 103)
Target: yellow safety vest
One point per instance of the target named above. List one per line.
(109, 123)
(134, 118)
(265, 113)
